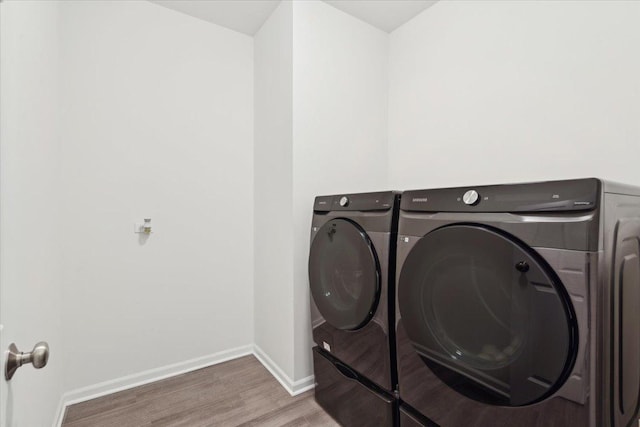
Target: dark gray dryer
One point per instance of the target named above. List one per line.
(518, 305)
(350, 263)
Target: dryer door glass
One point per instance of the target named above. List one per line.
(344, 274)
(487, 315)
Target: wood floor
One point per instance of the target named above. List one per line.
(240, 392)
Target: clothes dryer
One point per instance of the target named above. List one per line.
(518, 305)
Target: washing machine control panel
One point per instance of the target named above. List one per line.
(379, 201)
(471, 198)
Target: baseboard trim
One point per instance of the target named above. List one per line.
(62, 407)
(293, 387)
(124, 383)
(146, 377)
(304, 384)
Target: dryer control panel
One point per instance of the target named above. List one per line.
(569, 195)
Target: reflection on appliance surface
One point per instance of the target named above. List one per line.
(365, 349)
(335, 387)
(432, 396)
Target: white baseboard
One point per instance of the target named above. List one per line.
(304, 384)
(293, 387)
(62, 407)
(113, 386)
(145, 377)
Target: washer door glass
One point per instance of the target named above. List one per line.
(487, 315)
(344, 274)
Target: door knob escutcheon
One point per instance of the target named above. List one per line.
(38, 357)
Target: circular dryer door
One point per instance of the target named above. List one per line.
(344, 274)
(487, 315)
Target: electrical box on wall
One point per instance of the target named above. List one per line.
(143, 227)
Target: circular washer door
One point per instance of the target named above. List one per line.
(487, 315)
(344, 274)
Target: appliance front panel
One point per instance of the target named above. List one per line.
(366, 349)
(348, 398)
(478, 307)
(344, 274)
(436, 394)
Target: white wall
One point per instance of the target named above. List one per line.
(273, 198)
(30, 258)
(158, 122)
(496, 91)
(339, 129)
(320, 128)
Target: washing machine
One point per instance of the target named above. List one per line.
(351, 278)
(519, 305)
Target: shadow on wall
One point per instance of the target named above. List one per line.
(143, 238)
(9, 407)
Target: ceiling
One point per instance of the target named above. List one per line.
(384, 14)
(247, 16)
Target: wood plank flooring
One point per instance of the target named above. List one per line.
(240, 392)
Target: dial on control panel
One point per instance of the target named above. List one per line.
(344, 201)
(471, 198)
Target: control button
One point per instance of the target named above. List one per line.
(344, 201)
(471, 197)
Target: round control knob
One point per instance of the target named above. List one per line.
(344, 201)
(471, 197)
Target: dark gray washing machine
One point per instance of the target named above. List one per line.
(351, 276)
(518, 305)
